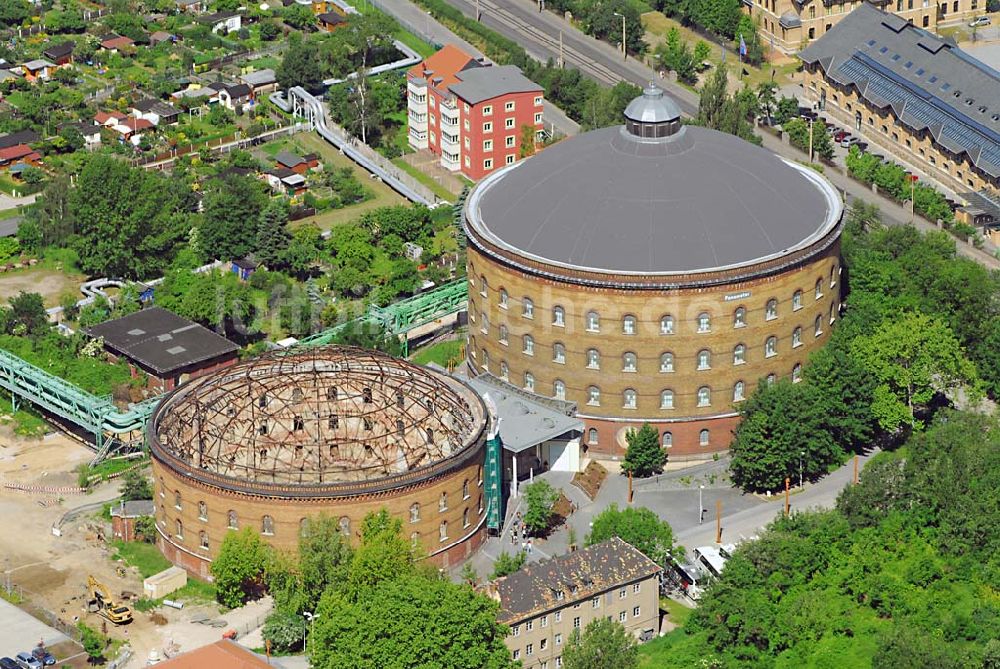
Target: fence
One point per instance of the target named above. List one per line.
(223, 144)
(34, 29)
(239, 56)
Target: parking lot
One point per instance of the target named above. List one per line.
(21, 632)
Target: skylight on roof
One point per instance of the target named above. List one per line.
(908, 64)
(883, 49)
(920, 71)
(933, 79)
(871, 42)
(895, 58)
(945, 86)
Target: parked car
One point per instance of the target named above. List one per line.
(979, 21)
(43, 656)
(841, 135)
(847, 141)
(8, 663)
(27, 661)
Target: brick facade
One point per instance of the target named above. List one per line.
(187, 550)
(805, 297)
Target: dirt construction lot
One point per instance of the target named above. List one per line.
(51, 572)
(50, 284)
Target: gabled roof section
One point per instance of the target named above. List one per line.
(441, 68)
(929, 84)
(578, 576)
(485, 83)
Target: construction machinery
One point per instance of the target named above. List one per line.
(100, 601)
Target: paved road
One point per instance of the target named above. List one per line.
(8, 226)
(538, 32)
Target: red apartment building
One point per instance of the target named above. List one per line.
(470, 113)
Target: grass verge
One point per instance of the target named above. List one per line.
(425, 179)
(441, 353)
(144, 557)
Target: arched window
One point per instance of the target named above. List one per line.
(818, 326)
(704, 396)
(502, 334)
(797, 337)
(797, 373)
(558, 316)
(593, 359)
(202, 511)
(504, 370)
(703, 438)
(297, 395)
(740, 317)
(304, 527)
(629, 399)
(666, 324)
(504, 298)
(345, 526)
(366, 394)
(738, 392)
(771, 311)
(443, 502)
(704, 322)
(559, 389)
(833, 276)
(630, 363)
(666, 363)
(559, 353)
(771, 346)
(528, 347)
(529, 381)
(482, 285)
(414, 538)
(484, 325)
(331, 393)
(819, 288)
(267, 525)
(179, 527)
(414, 513)
(177, 499)
(527, 308)
(400, 399)
(593, 321)
(592, 436)
(594, 396)
(203, 540)
(486, 359)
(232, 520)
(739, 354)
(480, 505)
(771, 379)
(833, 313)
(796, 300)
(667, 399)
(465, 518)
(443, 531)
(704, 359)
(667, 440)
(628, 325)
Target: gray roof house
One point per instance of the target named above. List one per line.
(478, 84)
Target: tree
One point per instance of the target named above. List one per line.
(798, 134)
(273, 236)
(913, 357)
(384, 555)
(135, 486)
(507, 564)
(787, 108)
(644, 456)
(14, 12)
(369, 335)
(284, 630)
(527, 146)
(299, 66)
(240, 568)
(639, 527)
(409, 621)
(27, 315)
(782, 424)
(53, 213)
(713, 97)
(324, 559)
(145, 528)
(604, 644)
(767, 99)
(93, 643)
(72, 136)
(269, 31)
(539, 498)
(228, 204)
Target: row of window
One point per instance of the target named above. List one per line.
(543, 621)
(267, 526)
(630, 360)
(557, 638)
(630, 323)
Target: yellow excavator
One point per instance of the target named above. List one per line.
(100, 601)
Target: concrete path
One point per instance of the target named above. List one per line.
(20, 631)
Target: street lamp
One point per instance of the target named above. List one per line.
(801, 455)
(701, 505)
(624, 52)
(311, 618)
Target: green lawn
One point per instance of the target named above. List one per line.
(415, 43)
(425, 179)
(9, 213)
(441, 353)
(677, 613)
(147, 558)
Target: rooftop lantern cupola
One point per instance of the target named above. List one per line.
(652, 115)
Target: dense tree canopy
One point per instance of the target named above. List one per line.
(231, 205)
(604, 644)
(637, 526)
(644, 455)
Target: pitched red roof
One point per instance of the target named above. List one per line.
(15, 152)
(219, 655)
(137, 124)
(104, 117)
(445, 64)
(117, 43)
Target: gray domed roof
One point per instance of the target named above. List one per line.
(652, 107)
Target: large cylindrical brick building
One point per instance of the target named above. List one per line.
(653, 272)
(273, 441)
